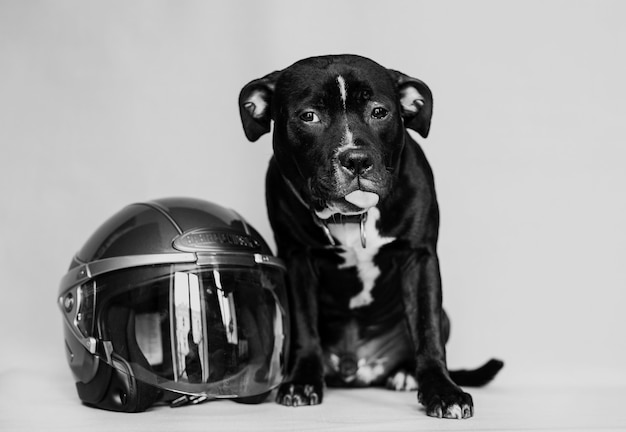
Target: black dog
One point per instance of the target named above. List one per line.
(352, 203)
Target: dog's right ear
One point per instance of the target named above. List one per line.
(255, 106)
(416, 101)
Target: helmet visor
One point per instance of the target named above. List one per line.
(215, 332)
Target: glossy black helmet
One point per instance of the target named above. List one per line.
(174, 300)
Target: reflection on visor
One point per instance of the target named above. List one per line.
(188, 327)
(205, 332)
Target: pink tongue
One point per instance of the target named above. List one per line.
(362, 199)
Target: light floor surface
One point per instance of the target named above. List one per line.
(46, 401)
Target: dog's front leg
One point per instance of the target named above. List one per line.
(305, 384)
(423, 305)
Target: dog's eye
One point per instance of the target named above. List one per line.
(309, 117)
(379, 113)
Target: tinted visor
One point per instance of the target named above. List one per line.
(214, 332)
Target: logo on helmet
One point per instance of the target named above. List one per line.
(202, 240)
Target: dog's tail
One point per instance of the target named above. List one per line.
(477, 377)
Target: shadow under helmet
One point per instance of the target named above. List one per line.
(175, 300)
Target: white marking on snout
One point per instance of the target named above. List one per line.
(347, 140)
(355, 255)
(343, 90)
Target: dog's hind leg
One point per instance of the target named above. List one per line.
(402, 380)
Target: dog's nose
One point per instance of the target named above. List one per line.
(357, 162)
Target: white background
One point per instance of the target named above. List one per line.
(107, 103)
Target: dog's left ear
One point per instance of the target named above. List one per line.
(255, 106)
(416, 102)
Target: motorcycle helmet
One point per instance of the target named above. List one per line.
(175, 300)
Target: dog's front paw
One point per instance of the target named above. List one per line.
(295, 395)
(452, 403)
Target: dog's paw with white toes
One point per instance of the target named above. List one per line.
(402, 381)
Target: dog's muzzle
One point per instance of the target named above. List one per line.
(358, 198)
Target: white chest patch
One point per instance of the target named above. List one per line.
(355, 255)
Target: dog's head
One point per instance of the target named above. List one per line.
(338, 127)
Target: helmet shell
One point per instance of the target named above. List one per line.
(154, 227)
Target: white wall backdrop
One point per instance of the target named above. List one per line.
(107, 103)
